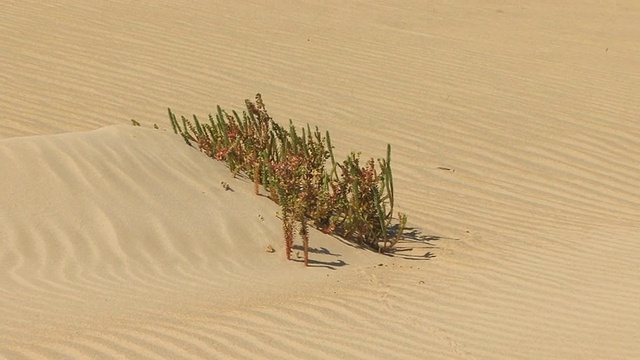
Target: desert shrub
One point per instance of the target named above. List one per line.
(298, 170)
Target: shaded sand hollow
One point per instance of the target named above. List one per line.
(515, 131)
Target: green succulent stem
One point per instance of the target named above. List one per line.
(290, 163)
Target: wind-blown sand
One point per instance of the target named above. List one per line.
(515, 131)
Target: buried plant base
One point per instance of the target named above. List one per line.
(298, 170)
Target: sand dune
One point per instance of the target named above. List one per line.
(515, 134)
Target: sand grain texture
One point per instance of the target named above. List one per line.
(515, 130)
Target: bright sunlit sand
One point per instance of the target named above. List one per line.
(515, 132)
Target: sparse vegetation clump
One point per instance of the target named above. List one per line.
(298, 170)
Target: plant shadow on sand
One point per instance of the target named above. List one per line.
(332, 265)
(414, 244)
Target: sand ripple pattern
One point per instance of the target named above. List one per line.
(515, 133)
